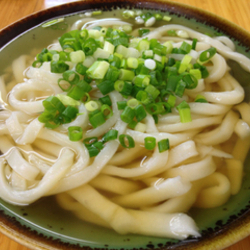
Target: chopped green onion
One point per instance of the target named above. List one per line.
(121, 105)
(77, 56)
(106, 87)
(143, 45)
(172, 82)
(53, 22)
(98, 70)
(128, 114)
(94, 148)
(143, 32)
(132, 124)
(141, 80)
(144, 97)
(127, 28)
(195, 40)
(132, 62)
(190, 80)
(92, 105)
(185, 48)
(89, 46)
(196, 73)
(112, 74)
(94, 33)
(123, 63)
(166, 107)
(64, 85)
(125, 88)
(126, 141)
(97, 12)
(167, 18)
(207, 55)
(163, 145)
(155, 118)
(146, 16)
(81, 69)
(97, 119)
(126, 75)
(150, 64)
(84, 34)
(115, 60)
(180, 88)
(70, 112)
(171, 100)
(58, 66)
(184, 111)
(93, 151)
(46, 116)
(140, 113)
(169, 46)
(37, 64)
(158, 16)
(101, 54)
(79, 90)
(203, 69)
(132, 103)
(107, 111)
(184, 63)
(84, 86)
(149, 142)
(120, 49)
(128, 14)
(155, 108)
(71, 76)
(171, 33)
(94, 112)
(153, 91)
(98, 145)
(170, 62)
(75, 133)
(200, 98)
(109, 47)
(110, 135)
(51, 125)
(142, 70)
(155, 78)
(85, 98)
(53, 104)
(90, 140)
(105, 100)
(158, 48)
(147, 54)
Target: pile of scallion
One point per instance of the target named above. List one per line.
(138, 68)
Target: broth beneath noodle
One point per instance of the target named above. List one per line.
(129, 190)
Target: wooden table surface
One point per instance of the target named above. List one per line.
(236, 11)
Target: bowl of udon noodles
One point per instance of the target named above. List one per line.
(124, 125)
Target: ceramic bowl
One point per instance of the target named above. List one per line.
(39, 226)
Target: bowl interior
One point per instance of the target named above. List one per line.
(42, 221)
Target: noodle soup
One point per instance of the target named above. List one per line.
(127, 126)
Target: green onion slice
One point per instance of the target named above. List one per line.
(110, 135)
(207, 54)
(126, 141)
(163, 145)
(75, 133)
(149, 142)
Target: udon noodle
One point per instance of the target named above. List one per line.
(131, 190)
